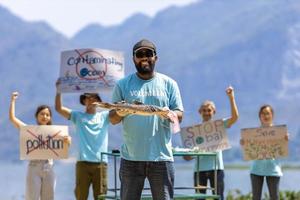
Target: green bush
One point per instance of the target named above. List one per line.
(283, 195)
(237, 195)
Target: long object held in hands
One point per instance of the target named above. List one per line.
(137, 109)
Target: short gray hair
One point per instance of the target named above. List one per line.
(207, 103)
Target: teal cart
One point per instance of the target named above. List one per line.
(114, 193)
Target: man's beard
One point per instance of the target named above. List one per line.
(145, 70)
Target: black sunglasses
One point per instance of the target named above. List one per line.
(144, 53)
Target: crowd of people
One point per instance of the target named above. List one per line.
(146, 152)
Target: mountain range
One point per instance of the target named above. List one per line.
(205, 46)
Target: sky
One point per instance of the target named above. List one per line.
(69, 16)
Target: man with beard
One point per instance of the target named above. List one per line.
(146, 152)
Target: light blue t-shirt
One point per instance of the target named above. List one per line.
(92, 132)
(269, 167)
(266, 167)
(147, 138)
(207, 163)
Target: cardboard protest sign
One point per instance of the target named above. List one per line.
(90, 70)
(43, 142)
(264, 142)
(209, 136)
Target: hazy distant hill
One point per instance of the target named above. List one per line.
(205, 46)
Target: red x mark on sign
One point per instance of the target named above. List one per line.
(101, 77)
(44, 142)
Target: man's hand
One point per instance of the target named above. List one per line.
(122, 113)
(165, 115)
(57, 83)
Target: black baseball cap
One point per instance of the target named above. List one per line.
(85, 95)
(144, 44)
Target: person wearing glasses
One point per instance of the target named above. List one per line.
(146, 152)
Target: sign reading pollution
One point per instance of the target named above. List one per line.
(43, 142)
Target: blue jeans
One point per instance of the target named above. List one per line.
(257, 185)
(160, 176)
(203, 178)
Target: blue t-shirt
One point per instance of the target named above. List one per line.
(147, 138)
(207, 163)
(92, 132)
(268, 167)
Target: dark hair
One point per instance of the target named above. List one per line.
(85, 95)
(42, 107)
(264, 107)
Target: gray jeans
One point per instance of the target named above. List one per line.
(257, 185)
(40, 181)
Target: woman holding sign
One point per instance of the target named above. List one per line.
(40, 180)
(206, 171)
(269, 168)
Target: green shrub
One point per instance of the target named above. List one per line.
(283, 195)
